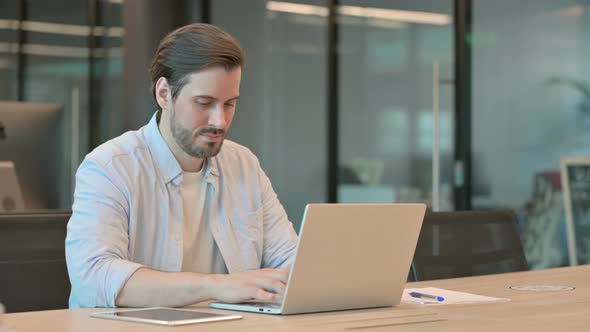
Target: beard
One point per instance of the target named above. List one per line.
(186, 140)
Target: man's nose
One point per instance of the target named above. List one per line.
(217, 117)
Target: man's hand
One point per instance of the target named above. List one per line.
(266, 285)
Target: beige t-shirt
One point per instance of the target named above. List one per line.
(200, 252)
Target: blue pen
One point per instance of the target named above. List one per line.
(427, 296)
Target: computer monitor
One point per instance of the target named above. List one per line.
(32, 137)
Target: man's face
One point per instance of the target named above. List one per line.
(204, 109)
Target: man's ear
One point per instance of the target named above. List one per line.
(163, 93)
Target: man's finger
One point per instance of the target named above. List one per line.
(278, 299)
(279, 274)
(263, 296)
(268, 284)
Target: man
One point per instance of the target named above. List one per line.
(162, 215)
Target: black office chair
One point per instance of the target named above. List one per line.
(468, 243)
(33, 273)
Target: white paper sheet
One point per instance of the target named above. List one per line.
(450, 297)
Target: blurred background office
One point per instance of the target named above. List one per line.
(461, 104)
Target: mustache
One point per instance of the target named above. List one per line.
(210, 130)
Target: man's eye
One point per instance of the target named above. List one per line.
(204, 102)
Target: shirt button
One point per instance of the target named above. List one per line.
(177, 237)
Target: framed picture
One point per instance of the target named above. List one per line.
(575, 179)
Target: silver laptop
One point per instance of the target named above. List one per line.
(349, 256)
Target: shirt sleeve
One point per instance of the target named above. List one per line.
(280, 239)
(97, 238)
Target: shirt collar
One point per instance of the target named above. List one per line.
(168, 167)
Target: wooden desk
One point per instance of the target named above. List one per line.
(528, 311)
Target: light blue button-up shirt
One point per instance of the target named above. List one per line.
(128, 213)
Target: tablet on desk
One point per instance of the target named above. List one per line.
(164, 316)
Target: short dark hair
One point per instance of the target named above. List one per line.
(191, 48)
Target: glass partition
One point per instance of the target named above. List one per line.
(531, 107)
(395, 101)
(281, 115)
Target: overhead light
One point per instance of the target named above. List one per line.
(111, 32)
(8, 24)
(8, 47)
(62, 29)
(365, 12)
(296, 8)
(396, 15)
(60, 51)
(381, 23)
